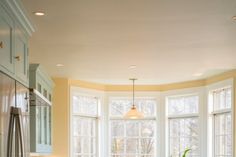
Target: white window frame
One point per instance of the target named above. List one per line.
(202, 112)
(99, 122)
(212, 114)
(182, 116)
(138, 94)
(111, 118)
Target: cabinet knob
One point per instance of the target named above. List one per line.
(17, 58)
(1, 44)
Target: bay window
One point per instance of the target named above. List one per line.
(200, 119)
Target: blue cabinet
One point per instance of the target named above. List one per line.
(41, 87)
(6, 42)
(21, 57)
(15, 29)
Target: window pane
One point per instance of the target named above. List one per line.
(220, 124)
(117, 128)
(222, 99)
(147, 128)
(117, 108)
(132, 146)
(219, 145)
(117, 146)
(132, 128)
(85, 105)
(228, 123)
(228, 98)
(77, 145)
(223, 134)
(183, 105)
(147, 106)
(77, 126)
(147, 145)
(228, 145)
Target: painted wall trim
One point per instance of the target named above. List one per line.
(164, 87)
(20, 13)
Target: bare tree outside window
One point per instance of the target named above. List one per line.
(183, 125)
(84, 126)
(221, 114)
(132, 138)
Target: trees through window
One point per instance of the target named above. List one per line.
(183, 125)
(220, 112)
(84, 126)
(132, 138)
(181, 122)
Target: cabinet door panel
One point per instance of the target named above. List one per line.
(21, 59)
(6, 52)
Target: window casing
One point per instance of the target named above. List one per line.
(134, 138)
(183, 125)
(84, 128)
(220, 102)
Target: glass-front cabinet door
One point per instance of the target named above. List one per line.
(40, 124)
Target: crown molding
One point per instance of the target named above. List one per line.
(19, 13)
(163, 87)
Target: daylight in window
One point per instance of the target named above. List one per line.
(183, 125)
(84, 126)
(133, 138)
(220, 114)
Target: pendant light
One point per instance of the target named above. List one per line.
(133, 113)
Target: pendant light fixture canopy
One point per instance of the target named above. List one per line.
(133, 113)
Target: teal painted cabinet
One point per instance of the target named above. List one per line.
(15, 30)
(40, 110)
(21, 56)
(6, 42)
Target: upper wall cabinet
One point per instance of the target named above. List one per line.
(21, 56)
(41, 87)
(41, 81)
(15, 30)
(6, 42)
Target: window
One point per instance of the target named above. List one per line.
(39, 88)
(220, 112)
(85, 115)
(183, 125)
(132, 138)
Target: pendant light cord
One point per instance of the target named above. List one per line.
(133, 93)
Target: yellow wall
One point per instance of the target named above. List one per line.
(60, 118)
(61, 103)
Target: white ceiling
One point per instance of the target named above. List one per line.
(168, 40)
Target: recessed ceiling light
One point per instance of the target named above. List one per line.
(132, 66)
(234, 18)
(39, 13)
(60, 65)
(198, 74)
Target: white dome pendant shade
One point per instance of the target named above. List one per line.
(133, 113)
